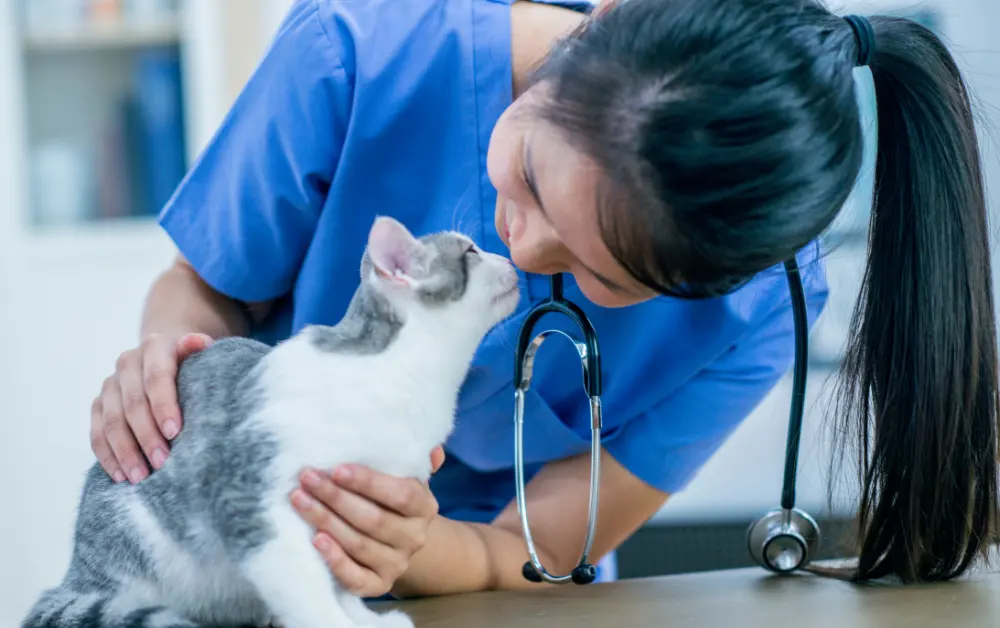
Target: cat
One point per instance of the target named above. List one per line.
(210, 539)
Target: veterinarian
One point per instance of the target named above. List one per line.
(667, 157)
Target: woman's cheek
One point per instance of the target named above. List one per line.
(499, 223)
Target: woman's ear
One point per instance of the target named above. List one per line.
(395, 255)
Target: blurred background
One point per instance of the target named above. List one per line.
(103, 106)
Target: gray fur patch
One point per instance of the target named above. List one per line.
(369, 326)
(211, 483)
(221, 473)
(449, 269)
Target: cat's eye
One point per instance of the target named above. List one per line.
(471, 250)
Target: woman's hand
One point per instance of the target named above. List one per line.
(137, 414)
(367, 524)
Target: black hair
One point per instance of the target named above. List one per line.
(730, 131)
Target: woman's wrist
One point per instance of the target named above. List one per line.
(445, 560)
(463, 557)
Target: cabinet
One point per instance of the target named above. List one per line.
(79, 243)
(103, 109)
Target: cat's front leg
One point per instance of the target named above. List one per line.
(292, 579)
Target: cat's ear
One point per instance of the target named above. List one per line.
(394, 253)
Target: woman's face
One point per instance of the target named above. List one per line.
(546, 210)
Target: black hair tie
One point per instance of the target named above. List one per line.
(864, 33)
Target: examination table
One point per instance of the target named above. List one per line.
(741, 598)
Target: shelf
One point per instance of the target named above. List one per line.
(118, 242)
(103, 36)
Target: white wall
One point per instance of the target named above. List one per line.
(78, 298)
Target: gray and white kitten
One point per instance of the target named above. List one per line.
(210, 539)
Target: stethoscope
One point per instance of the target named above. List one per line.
(782, 541)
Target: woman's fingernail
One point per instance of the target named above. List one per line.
(119, 476)
(312, 479)
(170, 430)
(136, 475)
(301, 500)
(321, 543)
(159, 457)
(344, 473)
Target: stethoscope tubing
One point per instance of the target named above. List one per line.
(786, 528)
(589, 353)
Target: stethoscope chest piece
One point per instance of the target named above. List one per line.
(786, 539)
(783, 541)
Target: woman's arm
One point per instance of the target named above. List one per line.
(180, 302)
(381, 534)
(463, 557)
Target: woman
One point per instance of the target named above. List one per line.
(667, 156)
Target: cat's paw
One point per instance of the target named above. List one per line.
(394, 619)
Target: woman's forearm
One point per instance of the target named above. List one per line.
(180, 302)
(460, 557)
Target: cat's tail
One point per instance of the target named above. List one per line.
(63, 608)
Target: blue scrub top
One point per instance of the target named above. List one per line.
(382, 107)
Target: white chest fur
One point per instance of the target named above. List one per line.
(385, 411)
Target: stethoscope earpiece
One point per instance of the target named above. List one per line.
(530, 573)
(584, 573)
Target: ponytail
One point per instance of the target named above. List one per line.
(919, 382)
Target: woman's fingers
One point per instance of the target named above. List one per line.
(358, 580)
(159, 383)
(119, 435)
(437, 458)
(360, 518)
(192, 343)
(405, 496)
(100, 445)
(368, 524)
(359, 559)
(138, 414)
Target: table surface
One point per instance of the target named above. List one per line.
(743, 598)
